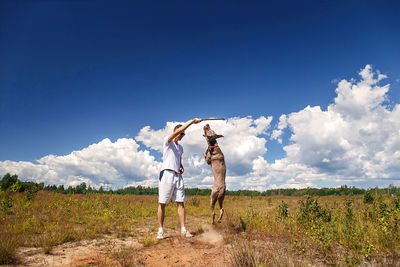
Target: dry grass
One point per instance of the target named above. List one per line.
(317, 231)
(125, 257)
(51, 219)
(258, 231)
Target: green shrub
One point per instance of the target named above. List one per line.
(396, 202)
(283, 210)
(368, 197)
(7, 203)
(349, 210)
(7, 181)
(310, 211)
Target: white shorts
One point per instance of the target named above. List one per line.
(171, 185)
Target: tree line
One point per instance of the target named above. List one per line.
(12, 183)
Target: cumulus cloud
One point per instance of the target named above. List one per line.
(356, 138)
(355, 141)
(122, 163)
(357, 100)
(244, 141)
(277, 133)
(115, 163)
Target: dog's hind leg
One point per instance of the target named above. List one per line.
(214, 196)
(220, 201)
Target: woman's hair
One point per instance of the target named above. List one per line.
(177, 126)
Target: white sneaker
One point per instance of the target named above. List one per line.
(186, 233)
(160, 235)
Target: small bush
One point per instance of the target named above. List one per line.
(126, 257)
(7, 203)
(30, 195)
(283, 210)
(8, 248)
(368, 197)
(349, 210)
(396, 202)
(146, 241)
(7, 181)
(194, 201)
(310, 211)
(243, 253)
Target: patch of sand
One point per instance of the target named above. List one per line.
(204, 249)
(75, 253)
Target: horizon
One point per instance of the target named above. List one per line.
(109, 188)
(310, 91)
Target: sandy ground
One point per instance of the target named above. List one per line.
(204, 249)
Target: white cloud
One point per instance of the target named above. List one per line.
(121, 163)
(268, 175)
(293, 184)
(244, 141)
(356, 100)
(277, 133)
(106, 162)
(356, 140)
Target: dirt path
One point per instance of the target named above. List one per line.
(204, 249)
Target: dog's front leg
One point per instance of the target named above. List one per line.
(207, 157)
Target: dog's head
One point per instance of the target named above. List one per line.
(210, 135)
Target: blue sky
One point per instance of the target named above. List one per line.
(73, 73)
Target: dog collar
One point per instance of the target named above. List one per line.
(216, 145)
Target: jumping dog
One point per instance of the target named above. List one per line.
(215, 158)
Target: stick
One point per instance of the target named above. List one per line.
(212, 119)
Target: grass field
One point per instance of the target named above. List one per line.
(258, 231)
